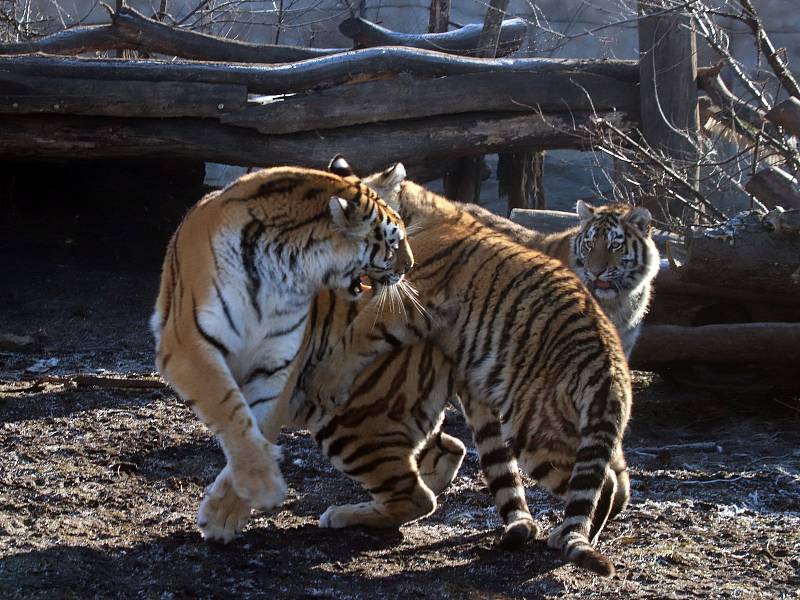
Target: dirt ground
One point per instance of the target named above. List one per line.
(99, 486)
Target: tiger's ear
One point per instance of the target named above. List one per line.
(341, 211)
(392, 177)
(340, 166)
(640, 218)
(585, 211)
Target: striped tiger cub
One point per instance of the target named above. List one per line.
(540, 369)
(239, 278)
(612, 252)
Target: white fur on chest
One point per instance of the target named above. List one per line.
(261, 319)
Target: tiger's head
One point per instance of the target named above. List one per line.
(613, 252)
(386, 255)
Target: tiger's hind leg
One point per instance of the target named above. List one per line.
(623, 492)
(388, 471)
(501, 473)
(439, 461)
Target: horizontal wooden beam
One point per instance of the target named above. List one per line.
(370, 63)
(738, 343)
(464, 40)
(23, 94)
(366, 147)
(129, 29)
(408, 97)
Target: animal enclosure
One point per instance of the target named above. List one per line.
(101, 469)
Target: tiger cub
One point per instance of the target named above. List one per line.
(540, 369)
(611, 251)
(239, 278)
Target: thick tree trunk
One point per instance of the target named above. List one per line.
(668, 84)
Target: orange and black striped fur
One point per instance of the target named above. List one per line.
(540, 369)
(611, 251)
(239, 278)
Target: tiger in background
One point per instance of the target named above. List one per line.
(239, 278)
(612, 252)
(540, 369)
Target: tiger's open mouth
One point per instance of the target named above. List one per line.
(601, 284)
(359, 285)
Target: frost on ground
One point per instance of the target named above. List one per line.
(99, 487)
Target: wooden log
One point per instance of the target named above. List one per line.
(23, 94)
(131, 30)
(743, 253)
(370, 63)
(463, 41)
(545, 221)
(668, 85)
(408, 97)
(773, 187)
(787, 115)
(367, 147)
(739, 343)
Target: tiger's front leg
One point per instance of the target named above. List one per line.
(372, 333)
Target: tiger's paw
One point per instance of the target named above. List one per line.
(222, 514)
(256, 477)
(328, 388)
(519, 532)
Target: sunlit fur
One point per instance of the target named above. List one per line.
(540, 370)
(612, 244)
(240, 276)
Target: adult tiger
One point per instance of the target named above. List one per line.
(540, 369)
(239, 278)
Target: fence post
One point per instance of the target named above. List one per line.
(463, 182)
(520, 176)
(668, 91)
